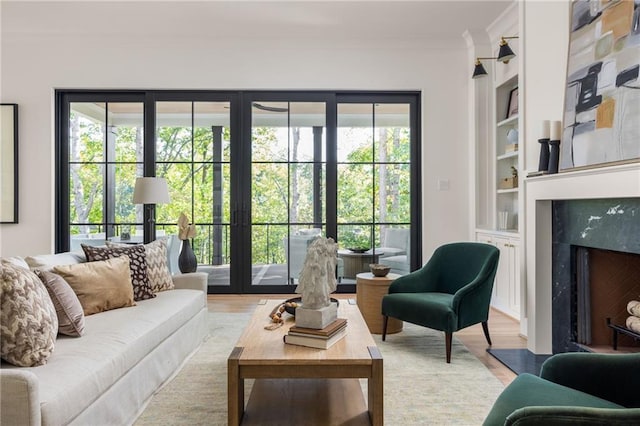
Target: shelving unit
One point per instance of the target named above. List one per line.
(506, 160)
(500, 151)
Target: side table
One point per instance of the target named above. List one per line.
(369, 292)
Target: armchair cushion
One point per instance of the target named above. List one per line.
(573, 388)
(431, 310)
(529, 390)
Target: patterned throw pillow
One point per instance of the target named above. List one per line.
(157, 267)
(28, 321)
(112, 290)
(67, 304)
(137, 263)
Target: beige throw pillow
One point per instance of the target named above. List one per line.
(157, 267)
(101, 285)
(137, 263)
(68, 307)
(28, 321)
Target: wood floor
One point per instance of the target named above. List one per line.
(504, 330)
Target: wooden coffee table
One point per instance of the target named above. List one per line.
(292, 380)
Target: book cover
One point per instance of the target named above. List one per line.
(314, 342)
(317, 336)
(327, 331)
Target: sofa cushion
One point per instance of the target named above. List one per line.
(68, 308)
(137, 264)
(28, 321)
(529, 390)
(115, 341)
(157, 264)
(47, 261)
(101, 285)
(16, 260)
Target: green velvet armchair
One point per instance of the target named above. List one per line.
(576, 388)
(451, 292)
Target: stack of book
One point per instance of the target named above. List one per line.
(322, 338)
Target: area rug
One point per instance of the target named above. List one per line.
(420, 388)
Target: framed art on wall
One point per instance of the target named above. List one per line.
(602, 98)
(513, 103)
(8, 163)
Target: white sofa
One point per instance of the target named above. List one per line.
(106, 376)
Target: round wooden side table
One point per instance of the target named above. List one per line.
(369, 292)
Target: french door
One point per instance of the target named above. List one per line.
(344, 166)
(261, 174)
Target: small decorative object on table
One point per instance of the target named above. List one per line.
(317, 281)
(379, 270)
(358, 249)
(187, 261)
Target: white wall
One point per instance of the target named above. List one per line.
(546, 38)
(34, 64)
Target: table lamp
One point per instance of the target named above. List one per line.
(150, 191)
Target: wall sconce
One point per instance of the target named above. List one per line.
(505, 54)
(479, 70)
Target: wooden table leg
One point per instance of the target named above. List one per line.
(235, 388)
(376, 390)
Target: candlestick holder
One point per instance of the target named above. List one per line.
(543, 164)
(554, 156)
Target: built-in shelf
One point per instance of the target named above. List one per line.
(507, 191)
(507, 155)
(507, 121)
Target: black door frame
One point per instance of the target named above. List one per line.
(240, 124)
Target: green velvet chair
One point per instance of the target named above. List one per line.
(451, 292)
(576, 388)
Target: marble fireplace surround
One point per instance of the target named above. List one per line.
(612, 225)
(614, 182)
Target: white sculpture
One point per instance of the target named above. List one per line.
(318, 275)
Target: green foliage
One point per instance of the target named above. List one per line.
(281, 187)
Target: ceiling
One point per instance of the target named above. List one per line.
(300, 19)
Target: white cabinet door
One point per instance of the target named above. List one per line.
(488, 239)
(514, 277)
(506, 289)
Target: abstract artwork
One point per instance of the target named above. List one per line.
(602, 101)
(8, 163)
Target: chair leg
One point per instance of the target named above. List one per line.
(448, 337)
(485, 328)
(385, 320)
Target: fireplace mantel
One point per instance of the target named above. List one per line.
(621, 181)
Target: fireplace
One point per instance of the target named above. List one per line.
(595, 272)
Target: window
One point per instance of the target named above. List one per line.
(257, 172)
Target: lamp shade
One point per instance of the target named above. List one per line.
(150, 190)
(479, 70)
(505, 54)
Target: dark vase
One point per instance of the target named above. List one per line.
(543, 164)
(187, 261)
(554, 156)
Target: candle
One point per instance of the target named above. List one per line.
(544, 129)
(556, 131)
